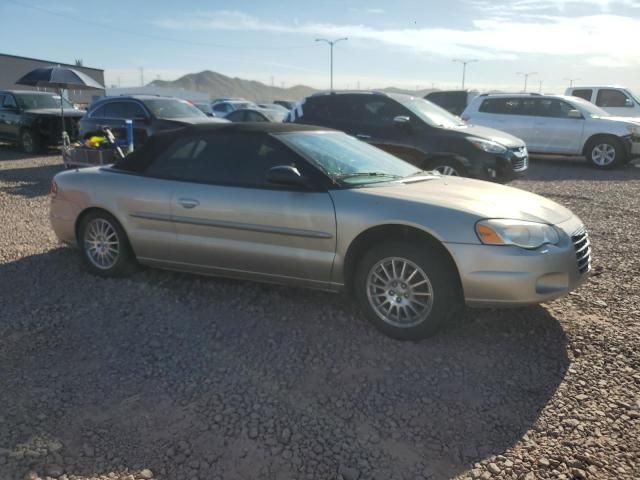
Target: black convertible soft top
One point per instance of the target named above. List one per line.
(156, 144)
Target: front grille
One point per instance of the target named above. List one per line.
(583, 251)
(520, 159)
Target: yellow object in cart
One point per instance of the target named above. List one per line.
(95, 141)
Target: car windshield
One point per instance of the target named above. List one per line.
(34, 101)
(589, 108)
(172, 108)
(347, 160)
(431, 113)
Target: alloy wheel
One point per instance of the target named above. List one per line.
(399, 292)
(447, 170)
(101, 243)
(603, 154)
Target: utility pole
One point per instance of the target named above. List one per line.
(526, 78)
(272, 80)
(571, 80)
(331, 43)
(464, 67)
(540, 89)
(141, 77)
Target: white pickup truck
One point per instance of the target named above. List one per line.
(618, 101)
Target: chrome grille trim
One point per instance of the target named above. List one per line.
(582, 246)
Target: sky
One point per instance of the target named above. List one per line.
(405, 43)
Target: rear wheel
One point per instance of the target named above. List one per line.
(105, 248)
(406, 291)
(30, 141)
(606, 152)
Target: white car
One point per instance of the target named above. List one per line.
(559, 125)
(618, 101)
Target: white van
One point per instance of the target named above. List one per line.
(618, 101)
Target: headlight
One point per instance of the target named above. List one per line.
(516, 232)
(633, 130)
(487, 145)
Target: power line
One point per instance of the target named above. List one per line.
(86, 21)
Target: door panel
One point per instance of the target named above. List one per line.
(269, 232)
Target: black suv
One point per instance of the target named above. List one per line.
(417, 131)
(150, 114)
(32, 119)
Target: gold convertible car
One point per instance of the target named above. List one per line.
(307, 206)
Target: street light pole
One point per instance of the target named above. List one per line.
(526, 78)
(571, 80)
(464, 67)
(331, 44)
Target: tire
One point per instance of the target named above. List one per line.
(30, 141)
(104, 246)
(605, 153)
(447, 166)
(435, 286)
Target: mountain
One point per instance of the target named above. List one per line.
(218, 85)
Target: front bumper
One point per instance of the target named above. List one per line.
(501, 167)
(508, 276)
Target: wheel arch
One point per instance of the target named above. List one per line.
(596, 136)
(388, 232)
(81, 216)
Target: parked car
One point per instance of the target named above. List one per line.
(150, 114)
(224, 107)
(618, 101)
(560, 125)
(204, 107)
(313, 207)
(417, 131)
(285, 103)
(32, 119)
(253, 115)
(453, 101)
(274, 106)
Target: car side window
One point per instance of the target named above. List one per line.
(173, 163)
(502, 106)
(254, 117)
(221, 107)
(115, 110)
(584, 93)
(134, 111)
(98, 112)
(608, 97)
(237, 116)
(9, 102)
(377, 110)
(551, 107)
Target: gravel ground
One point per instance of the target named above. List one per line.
(172, 376)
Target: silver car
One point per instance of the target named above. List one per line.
(313, 207)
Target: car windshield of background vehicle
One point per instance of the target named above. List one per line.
(348, 160)
(431, 113)
(589, 108)
(32, 102)
(171, 108)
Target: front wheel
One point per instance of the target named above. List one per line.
(447, 166)
(30, 141)
(105, 248)
(604, 153)
(406, 291)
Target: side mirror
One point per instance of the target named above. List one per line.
(287, 175)
(575, 114)
(628, 103)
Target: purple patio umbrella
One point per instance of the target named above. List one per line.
(60, 78)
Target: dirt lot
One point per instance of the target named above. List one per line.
(173, 376)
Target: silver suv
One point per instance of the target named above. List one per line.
(560, 125)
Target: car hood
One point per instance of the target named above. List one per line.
(629, 120)
(195, 120)
(474, 197)
(55, 112)
(503, 138)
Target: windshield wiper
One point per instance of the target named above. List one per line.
(366, 174)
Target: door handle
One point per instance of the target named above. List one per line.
(188, 202)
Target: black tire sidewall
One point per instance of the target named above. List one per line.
(446, 294)
(126, 261)
(35, 139)
(447, 162)
(616, 144)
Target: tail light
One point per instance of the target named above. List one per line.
(54, 188)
